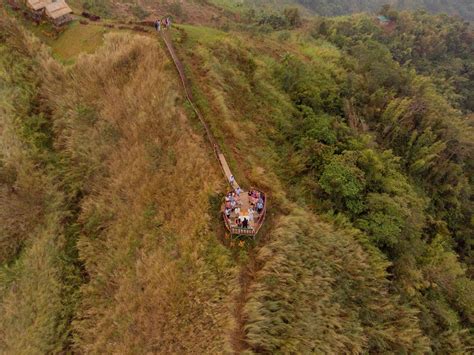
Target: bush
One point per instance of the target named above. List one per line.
(292, 15)
(139, 12)
(97, 7)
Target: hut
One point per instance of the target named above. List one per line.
(59, 12)
(37, 5)
(37, 8)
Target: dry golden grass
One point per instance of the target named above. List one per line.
(319, 291)
(159, 279)
(156, 277)
(31, 297)
(139, 180)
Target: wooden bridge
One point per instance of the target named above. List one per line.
(244, 202)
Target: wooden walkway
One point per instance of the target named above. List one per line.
(245, 203)
(180, 68)
(226, 169)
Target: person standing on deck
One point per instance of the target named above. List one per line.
(250, 213)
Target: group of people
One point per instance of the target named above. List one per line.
(164, 23)
(257, 200)
(233, 206)
(232, 203)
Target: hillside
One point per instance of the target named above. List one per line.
(462, 8)
(361, 136)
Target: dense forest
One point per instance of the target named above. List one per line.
(361, 133)
(463, 8)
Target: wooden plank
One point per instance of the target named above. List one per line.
(226, 169)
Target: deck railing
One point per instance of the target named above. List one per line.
(247, 231)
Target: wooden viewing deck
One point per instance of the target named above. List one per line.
(248, 211)
(244, 202)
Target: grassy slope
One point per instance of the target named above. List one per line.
(141, 182)
(236, 89)
(38, 281)
(157, 279)
(77, 39)
(148, 216)
(298, 296)
(323, 290)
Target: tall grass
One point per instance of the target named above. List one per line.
(319, 291)
(103, 153)
(159, 280)
(38, 281)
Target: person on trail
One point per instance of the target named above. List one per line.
(158, 25)
(168, 22)
(238, 191)
(231, 180)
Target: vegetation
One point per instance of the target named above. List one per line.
(360, 133)
(464, 8)
(349, 128)
(100, 226)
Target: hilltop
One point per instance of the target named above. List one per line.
(360, 133)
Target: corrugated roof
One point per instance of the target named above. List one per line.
(38, 4)
(57, 9)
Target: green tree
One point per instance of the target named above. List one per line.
(344, 182)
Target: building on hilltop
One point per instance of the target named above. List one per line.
(56, 10)
(37, 5)
(59, 12)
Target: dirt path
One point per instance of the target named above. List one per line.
(246, 278)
